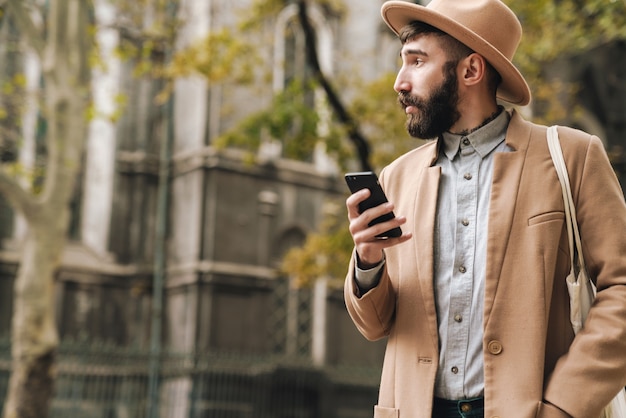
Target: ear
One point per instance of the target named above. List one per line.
(473, 69)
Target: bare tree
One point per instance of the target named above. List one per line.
(355, 135)
(63, 44)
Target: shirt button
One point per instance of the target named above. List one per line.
(454, 370)
(462, 269)
(458, 318)
(466, 141)
(494, 347)
(465, 222)
(467, 176)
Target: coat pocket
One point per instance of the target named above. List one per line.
(382, 412)
(548, 411)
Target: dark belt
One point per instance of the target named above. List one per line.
(463, 405)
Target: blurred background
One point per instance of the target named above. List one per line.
(173, 236)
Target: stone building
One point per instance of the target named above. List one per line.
(214, 239)
(159, 207)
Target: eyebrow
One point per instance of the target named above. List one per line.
(407, 52)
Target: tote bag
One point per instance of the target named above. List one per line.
(581, 289)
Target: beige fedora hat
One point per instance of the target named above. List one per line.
(488, 27)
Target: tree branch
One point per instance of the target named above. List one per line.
(357, 138)
(20, 199)
(27, 27)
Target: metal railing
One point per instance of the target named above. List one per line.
(100, 381)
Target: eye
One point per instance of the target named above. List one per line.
(418, 62)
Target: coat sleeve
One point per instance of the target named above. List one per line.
(594, 369)
(373, 312)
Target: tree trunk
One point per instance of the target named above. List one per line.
(34, 334)
(66, 72)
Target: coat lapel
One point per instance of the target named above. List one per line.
(507, 172)
(425, 210)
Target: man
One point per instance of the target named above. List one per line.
(472, 296)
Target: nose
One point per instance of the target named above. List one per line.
(401, 83)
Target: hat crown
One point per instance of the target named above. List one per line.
(492, 20)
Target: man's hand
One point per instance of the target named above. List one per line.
(368, 247)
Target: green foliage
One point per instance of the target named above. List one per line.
(263, 10)
(259, 12)
(217, 57)
(553, 28)
(12, 105)
(221, 56)
(289, 120)
(560, 28)
(383, 121)
(148, 30)
(292, 120)
(323, 254)
(120, 100)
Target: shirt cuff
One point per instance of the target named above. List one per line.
(369, 278)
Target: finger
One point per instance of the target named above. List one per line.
(367, 225)
(377, 231)
(370, 251)
(352, 202)
(373, 213)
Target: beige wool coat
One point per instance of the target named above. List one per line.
(530, 353)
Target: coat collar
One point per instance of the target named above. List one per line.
(517, 137)
(518, 133)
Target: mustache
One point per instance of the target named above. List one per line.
(406, 99)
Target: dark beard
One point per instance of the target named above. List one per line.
(436, 114)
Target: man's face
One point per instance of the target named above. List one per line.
(427, 88)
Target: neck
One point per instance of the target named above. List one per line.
(485, 121)
(476, 112)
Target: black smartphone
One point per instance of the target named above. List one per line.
(369, 180)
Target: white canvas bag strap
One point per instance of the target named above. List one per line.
(570, 209)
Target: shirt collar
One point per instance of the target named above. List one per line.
(484, 140)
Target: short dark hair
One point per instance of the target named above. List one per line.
(455, 49)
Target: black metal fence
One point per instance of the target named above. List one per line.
(99, 381)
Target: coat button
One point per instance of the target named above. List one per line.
(494, 347)
(465, 407)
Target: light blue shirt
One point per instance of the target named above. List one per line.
(460, 256)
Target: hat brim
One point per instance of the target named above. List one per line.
(513, 88)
